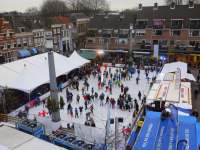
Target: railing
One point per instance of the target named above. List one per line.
(197, 49)
(194, 26)
(123, 35)
(158, 26)
(91, 34)
(163, 48)
(107, 35)
(145, 47)
(141, 26)
(176, 26)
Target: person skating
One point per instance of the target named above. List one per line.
(76, 112)
(196, 92)
(91, 109)
(85, 104)
(81, 109)
(137, 79)
(77, 85)
(71, 111)
(101, 97)
(87, 115)
(82, 90)
(96, 96)
(87, 85)
(110, 90)
(68, 108)
(122, 87)
(113, 103)
(135, 101)
(92, 90)
(139, 95)
(77, 98)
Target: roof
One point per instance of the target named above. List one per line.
(164, 12)
(63, 20)
(1, 22)
(76, 16)
(112, 22)
(88, 54)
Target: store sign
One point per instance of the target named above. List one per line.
(61, 45)
(119, 50)
(178, 79)
(155, 51)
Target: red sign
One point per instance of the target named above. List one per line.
(164, 93)
(165, 88)
(182, 90)
(31, 103)
(182, 95)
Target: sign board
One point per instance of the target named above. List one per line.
(178, 79)
(61, 45)
(155, 55)
(174, 113)
(119, 50)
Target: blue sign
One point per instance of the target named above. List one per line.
(181, 145)
(61, 45)
(174, 113)
(119, 50)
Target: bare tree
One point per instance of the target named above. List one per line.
(31, 10)
(194, 1)
(178, 2)
(130, 11)
(52, 8)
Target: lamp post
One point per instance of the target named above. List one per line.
(70, 36)
(56, 120)
(131, 44)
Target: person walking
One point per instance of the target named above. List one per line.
(87, 85)
(137, 79)
(77, 85)
(148, 80)
(71, 111)
(146, 75)
(196, 92)
(91, 109)
(81, 109)
(68, 108)
(138, 72)
(107, 100)
(77, 98)
(76, 112)
(96, 96)
(110, 90)
(44, 101)
(101, 99)
(82, 90)
(85, 104)
(135, 101)
(195, 113)
(27, 109)
(139, 95)
(113, 103)
(50, 113)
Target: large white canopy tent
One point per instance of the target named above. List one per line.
(36, 70)
(77, 59)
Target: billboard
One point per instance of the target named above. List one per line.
(178, 79)
(155, 55)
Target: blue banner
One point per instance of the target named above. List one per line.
(174, 113)
(181, 145)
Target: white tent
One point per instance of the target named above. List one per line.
(36, 60)
(64, 64)
(55, 55)
(77, 59)
(26, 81)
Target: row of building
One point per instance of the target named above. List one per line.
(176, 29)
(22, 35)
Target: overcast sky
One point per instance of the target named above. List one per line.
(21, 5)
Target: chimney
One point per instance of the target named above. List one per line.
(155, 6)
(140, 7)
(122, 15)
(191, 4)
(172, 5)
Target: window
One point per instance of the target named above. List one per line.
(54, 31)
(116, 41)
(22, 29)
(58, 38)
(38, 34)
(194, 33)
(7, 33)
(115, 31)
(106, 40)
(155, 42)
(100, 40)
(5, 45)
(18, 42)
(25, 41)
(148, 42)
(141, 32)
(159, 22)
(107, 32)
(142, 23)
(67, 34)
(91, 40)
(191, 43)
(176, 22)
(55, 39)
(42, 41)
(195, 22)
(30, 41)
(9, 56)
(64, 34)
(139, 42)
(182, 43)
(100, 31)
(41, 33)
(157, 32)
(58, 30)
(124, 31)
(35, 34)
(35, 41)
(175, 33)
(39, 42)
(123, 41)
(11, 44)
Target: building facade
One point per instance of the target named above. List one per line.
(7, 41)
(56, 33)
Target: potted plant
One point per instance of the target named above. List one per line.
(54, 105)
(62, 103)
(49, 103)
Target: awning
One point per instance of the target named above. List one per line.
(34, 51)
(2, 60)
(147, 136)
(188, 132)
(23, 53)
(166, 137)
(88, 54)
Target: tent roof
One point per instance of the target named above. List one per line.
(17, 140)
(26, 81)
(88, 54)
(77, 59)
(36, 60)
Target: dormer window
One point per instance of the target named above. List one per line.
(115, 31)
(7, 33)
(100, 31)
(22, 29)
(159, 22)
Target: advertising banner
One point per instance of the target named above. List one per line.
(174, 113)
(155, 55)
(182, 145)
(178, 79)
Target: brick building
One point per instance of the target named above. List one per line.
(56, 33)
(7, 41)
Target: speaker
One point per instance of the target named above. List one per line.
(120, 119)
(111, 121)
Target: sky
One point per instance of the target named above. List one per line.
(21, 5)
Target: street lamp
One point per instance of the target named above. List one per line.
(70, 36)
(131, 44)
(56, 120)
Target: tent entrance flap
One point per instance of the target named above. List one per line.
(23, 53)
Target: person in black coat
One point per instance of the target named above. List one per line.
(195, 113)
(139, 95)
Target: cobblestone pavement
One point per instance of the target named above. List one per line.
(195, 102)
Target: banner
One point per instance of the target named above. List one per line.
(155, 51)
(61, 45)
(174, 113)
(178, 79)
(182, 145)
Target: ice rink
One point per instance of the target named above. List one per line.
(100, 112)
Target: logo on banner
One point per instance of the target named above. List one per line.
(155, 51)
(182, 145)
(174, 113)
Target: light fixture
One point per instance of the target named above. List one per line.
(160, 57)
(49, 42)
